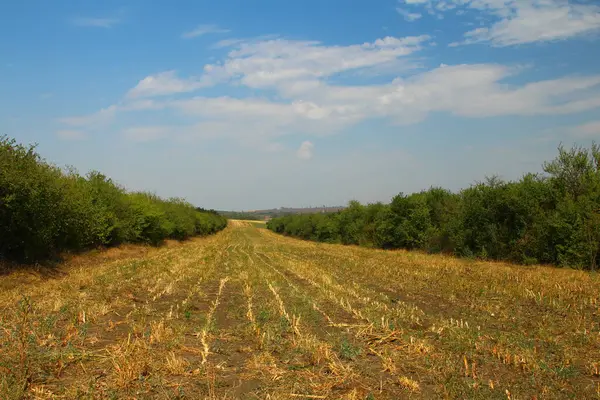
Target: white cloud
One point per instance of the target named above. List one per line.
(134, 104)
(539, 21)
(229, 106)
(99, 118)
(71, 135)
(227, 43)
(524, 21)
(165, 83)
(235, 41)
(294, 96)
(201, 30)
(305, 152)
(477, 91)
(95, 22)
(408, 16)
(269, 63)
(255, 117)
(588, 130)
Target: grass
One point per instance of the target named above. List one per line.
(250, 314)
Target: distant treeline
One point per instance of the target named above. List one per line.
(552, 218)
(260, 215)
(45, 210)
(241, 215)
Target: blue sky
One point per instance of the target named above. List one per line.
(246, 105)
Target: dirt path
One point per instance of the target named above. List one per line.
(247, 314)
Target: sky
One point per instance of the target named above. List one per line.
(251, 105)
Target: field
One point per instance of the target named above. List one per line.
(250, 314)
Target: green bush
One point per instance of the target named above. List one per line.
(554, 218)
(44, 210)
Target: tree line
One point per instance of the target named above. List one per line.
(550, 218)
(241, 215)
(45, 210)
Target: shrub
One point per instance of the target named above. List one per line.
(553, 218)
(44, 210)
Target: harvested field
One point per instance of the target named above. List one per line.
(248, 314)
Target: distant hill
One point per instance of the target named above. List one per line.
(277, 212)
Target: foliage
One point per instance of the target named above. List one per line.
(44, 210)
(552, 218)
(246, 216)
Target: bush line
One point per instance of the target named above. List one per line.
(551, 218)
(45, 210)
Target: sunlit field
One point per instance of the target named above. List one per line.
(248, 314)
